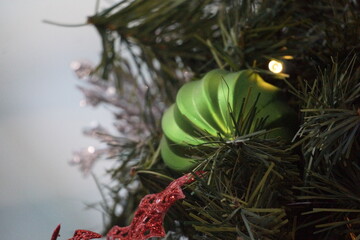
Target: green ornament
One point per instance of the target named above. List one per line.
(204, 108)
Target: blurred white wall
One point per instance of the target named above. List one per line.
(41, 121)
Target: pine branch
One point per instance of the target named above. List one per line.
(331, 120)
(335, 202)
(243, 191)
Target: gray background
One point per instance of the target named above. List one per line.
(41, 121)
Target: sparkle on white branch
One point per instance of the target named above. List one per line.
(82, 103)
(91, 149)
(75, 65)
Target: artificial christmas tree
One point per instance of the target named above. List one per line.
(303, 186)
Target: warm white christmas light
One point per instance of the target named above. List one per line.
(275, 66)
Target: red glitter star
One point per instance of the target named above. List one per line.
(84, 235)
(149, 217)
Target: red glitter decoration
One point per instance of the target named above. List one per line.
(149, 217)
(56, 233)
(84, 235)
(78, 235)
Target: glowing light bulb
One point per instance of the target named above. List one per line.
(275, 66)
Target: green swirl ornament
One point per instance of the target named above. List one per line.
(206, 108)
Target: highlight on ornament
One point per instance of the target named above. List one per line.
(275, 66)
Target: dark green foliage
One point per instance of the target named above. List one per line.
(330, 146)
(331, 116)
(248, 182)
(254, 188)
(335, 202)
